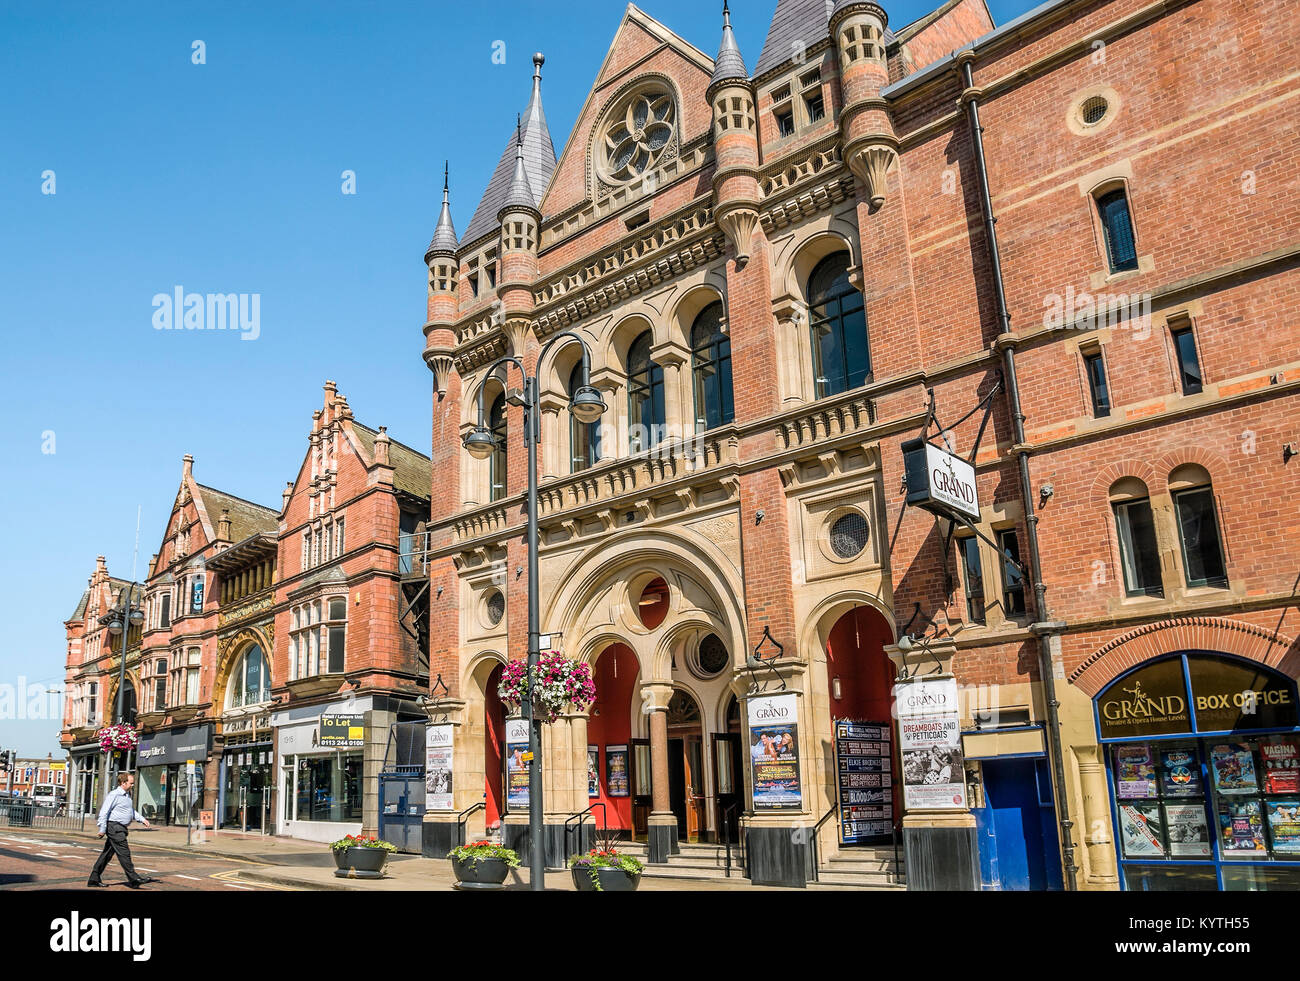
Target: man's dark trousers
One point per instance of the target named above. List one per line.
(114, 844)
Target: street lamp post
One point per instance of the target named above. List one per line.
(586, 406)
(120, 621)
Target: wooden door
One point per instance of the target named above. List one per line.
(693, 749)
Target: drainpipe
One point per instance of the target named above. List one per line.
(1044, 628)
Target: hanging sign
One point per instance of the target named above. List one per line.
(939, 481)
(438, 766)
(929, 741)
(774, 752)
(343, 731)
(516, 767)
(862, 755)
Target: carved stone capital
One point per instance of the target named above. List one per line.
(739, 222)
(442, 364)
(870, 163)
(516, 332)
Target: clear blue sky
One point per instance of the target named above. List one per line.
(226, 177)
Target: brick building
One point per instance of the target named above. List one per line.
(45, 779)
(782, 275)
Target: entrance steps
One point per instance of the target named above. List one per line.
(854, 868)
(863, 868)
(696, 860)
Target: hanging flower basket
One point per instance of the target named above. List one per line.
(558, 681)
(121, 735)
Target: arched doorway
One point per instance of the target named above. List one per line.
(860, 680)
(494, 729)
(609, 739)
(687, 784)
(729, 773)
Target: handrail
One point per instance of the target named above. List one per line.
(734, 806)
(581, 817)
(817, 827)
(463, 817)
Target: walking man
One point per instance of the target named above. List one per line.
(118, 811)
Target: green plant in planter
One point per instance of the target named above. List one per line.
(362, 841)
(606, 858)
(483, 850)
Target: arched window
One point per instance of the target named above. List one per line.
(838, 321)
(1136, 530)
(250, 681)
(584, 438)
(1117, 226)
(645, 396)
(497, 469)
(1198, 527)
(711, 366)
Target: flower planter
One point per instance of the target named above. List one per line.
(360, 863)
(484, 874)
(611, 879)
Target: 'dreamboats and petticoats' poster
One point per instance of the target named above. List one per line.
(774, 752)
(929, 741)
(438, 769)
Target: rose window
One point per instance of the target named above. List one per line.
(636, 139)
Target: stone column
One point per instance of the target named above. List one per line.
(795, 355)
(613, 421)
(679, 411)
(1097, 838)
(554, 447)
(663, 822)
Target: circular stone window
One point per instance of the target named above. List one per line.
(711, 657)
(640, 128)
(496, 607)
(652, 607)
(849, 535)
(1093, 110)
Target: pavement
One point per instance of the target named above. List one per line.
(57, 859)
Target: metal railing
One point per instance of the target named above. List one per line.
(581, 817)
(25, 814)
(462, 819)
(727, 825)
(816, 859)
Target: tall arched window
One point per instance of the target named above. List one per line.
(497, 470)
(645, 396)
(711, 367)
(250, 681)
(838, 321)
(584, 438)
(1198, 527)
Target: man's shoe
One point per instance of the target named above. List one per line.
(147, 878)
(96, 885)
(133, 883)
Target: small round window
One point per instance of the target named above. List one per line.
(652, 607)
(1093, 110)
(496, 607)
(849, 535)
(711, 657)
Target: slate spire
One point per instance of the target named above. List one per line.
(729, 64)
(444, 236)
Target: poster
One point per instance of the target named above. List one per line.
(1233, 766)
(516, 768)
(1284, 825)
(1139, 828)
(1281, 758)
(866, 797)
(929, 741)
(343, 731)
(774, 752)
(1241, 828)
(616, 771)
(1135, 772)
(1189, 836)
(1180, 772)
(438, 768)
(593, 771)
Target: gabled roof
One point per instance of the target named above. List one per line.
(412, 470)
(246, 518)
(539, 164)
(801, 22)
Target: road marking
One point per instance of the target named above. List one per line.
(178, 875)
(143, 869)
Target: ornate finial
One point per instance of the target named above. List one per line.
(446, 178)
(539, 60)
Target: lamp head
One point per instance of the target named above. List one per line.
(480, 443)
(905, 643)
(115, 626)
(587, 405)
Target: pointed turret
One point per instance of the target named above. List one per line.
(730, 65)
(444, 236)
(444, 275)
(520, 221)
(539, 163)
(521, 196)
(860, 28)
(735, 143)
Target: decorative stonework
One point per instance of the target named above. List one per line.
(640, 131)
(245, 610)
(871, 165)
(739, 224)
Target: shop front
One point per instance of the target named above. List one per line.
(1202, 755)
(320, 755)
(169, 790)
(246, 784)
(84, 778)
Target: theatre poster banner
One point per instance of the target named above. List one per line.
(516, 767)
(929, 741)
(438, 769)
(774, 752)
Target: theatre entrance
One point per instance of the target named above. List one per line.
(687, 790)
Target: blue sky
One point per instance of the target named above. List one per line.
(226, 177)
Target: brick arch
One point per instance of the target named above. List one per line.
(1154, 640)
(1118, 470)
(1166, 463)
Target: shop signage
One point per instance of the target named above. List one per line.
(1226, 695)
(616, 770)
(939, 481)
(862, 754)
(774, 752)
(342, 731)
(438, 767)
(516, 768)
(929, 741)
(175, 746)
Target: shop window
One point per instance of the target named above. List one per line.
(1198, 527)
(584, 438)
(328, 788)
(1117, 230)
(972, 575)
(1189, 365)
(497, 467)
(1013, 583)
(711, 369)
(652, 607)
(838, 324)
(645, 396)
(1097, 387)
